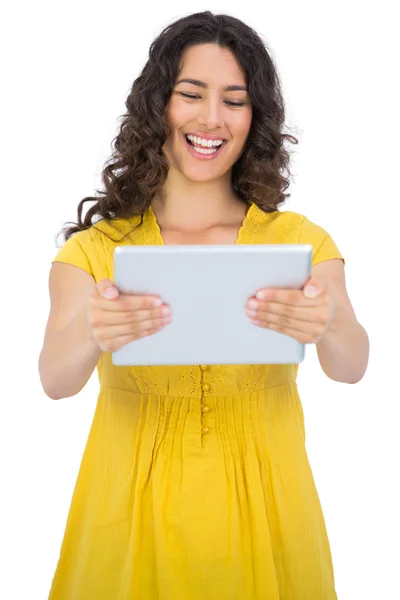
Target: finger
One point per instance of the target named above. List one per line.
(128, 302)
(107, 289)
(287, 297)
(131, 316)
(132, 329)
(299, 313)
(294, 328)
(111, 345)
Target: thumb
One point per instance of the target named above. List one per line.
(107, 289)
(313, 288)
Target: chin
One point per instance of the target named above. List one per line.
(203, 171)
(201, 177)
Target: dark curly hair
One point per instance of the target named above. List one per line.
(138, 167)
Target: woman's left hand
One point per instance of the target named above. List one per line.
(302, 314)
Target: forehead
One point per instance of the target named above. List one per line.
(212, 64)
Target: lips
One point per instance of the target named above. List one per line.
(207, 154)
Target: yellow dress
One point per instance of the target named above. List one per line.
(195, 482)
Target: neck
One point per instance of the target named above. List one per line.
(185, 204)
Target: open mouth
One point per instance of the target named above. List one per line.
(205, 150)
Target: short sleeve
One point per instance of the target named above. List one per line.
(324, 247)
(76, 251)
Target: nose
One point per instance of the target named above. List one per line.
(210, 114)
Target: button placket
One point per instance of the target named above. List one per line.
(205, 389)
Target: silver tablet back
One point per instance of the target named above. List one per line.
(207, 288)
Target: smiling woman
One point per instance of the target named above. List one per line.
(195, 482)
(224, 84)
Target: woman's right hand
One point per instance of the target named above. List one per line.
(116, 319)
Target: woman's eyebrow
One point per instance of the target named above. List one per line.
(228, 88)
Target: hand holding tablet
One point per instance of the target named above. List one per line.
(115, 319)
(207, 288)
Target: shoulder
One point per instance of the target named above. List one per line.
(113, 228)
(275, 218)
(105, 232)
(289, 227)
(274, 227)
(294, 222)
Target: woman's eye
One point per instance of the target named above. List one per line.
(188, 95)
(227, 101)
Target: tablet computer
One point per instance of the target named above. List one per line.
(207, 288)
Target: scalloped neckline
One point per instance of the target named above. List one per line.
(240, 233)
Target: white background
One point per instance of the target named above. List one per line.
(67, 69)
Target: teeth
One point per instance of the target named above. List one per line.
(206, 150)
(204, 143)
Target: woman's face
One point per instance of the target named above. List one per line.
(211, 111)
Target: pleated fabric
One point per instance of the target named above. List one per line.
(195, 482)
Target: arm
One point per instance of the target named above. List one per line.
(343, 350)
(69, 354)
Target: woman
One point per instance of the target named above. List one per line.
(195, 482)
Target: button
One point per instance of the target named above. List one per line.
(205, 430)
(203, 367)
(205, 408)
(206, 387)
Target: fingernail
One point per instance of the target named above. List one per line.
(109, 292)
(260, 295)
(310, 291)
